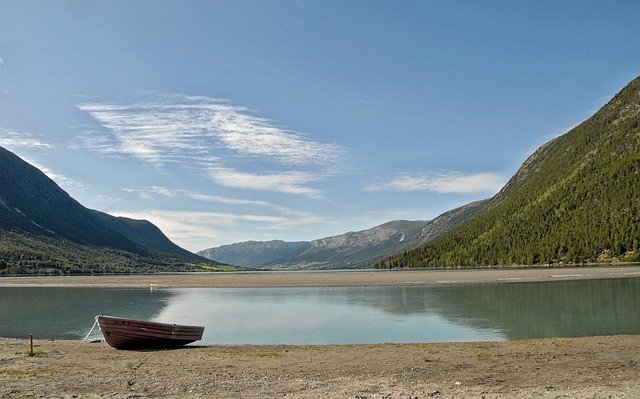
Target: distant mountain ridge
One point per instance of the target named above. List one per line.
(354, 249)
(359, 249)
(574, 200)
(35, 210)
(252, 253)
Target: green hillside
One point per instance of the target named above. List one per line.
(44, 230)
(575, 200)
(27, 253)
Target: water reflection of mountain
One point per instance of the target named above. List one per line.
(551, 309)
(515, 311)
(519, 310)
(57, 312)
(401, 301)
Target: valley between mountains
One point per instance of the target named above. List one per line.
(574, 201)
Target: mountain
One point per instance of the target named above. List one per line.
(252, 253)
(38, 219)
(574, 200)
(33, 203)
(358, 249)
(354, 249)
(145, 234)
(450, 220)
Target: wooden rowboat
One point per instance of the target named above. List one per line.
(123, 333)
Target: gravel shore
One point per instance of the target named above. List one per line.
(594, 367)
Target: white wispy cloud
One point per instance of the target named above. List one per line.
(205, 134)
(13, 139)
(177, 126)
(150, 192)
(96, 141)
(365, 102)
(289, 182)
(442, 182)
(199, 230)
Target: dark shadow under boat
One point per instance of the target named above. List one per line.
(123, 333)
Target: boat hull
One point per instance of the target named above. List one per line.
(122, 333)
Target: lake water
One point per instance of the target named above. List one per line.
(339, 315)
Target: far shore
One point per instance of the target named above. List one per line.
(355, 278)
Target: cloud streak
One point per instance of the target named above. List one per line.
(206, 134)
(290, 182)
(12, 139)
(442, 182)
(149, 192)
(176, 126)
(198, 230)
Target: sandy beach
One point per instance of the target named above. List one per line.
(331, 279)
(588, 367)
(596, 367)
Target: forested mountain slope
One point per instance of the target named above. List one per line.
(575, 200)
(32, 202)
(42, 227)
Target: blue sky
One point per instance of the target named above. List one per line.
(225, 121)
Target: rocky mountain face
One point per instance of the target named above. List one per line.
(359, 249)
(354, 249)
(36, 213)
(252, 253)
(574, 200)
(450, 220)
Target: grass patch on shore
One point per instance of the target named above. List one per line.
(38, 352)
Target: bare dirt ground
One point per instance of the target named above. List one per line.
(594, 367)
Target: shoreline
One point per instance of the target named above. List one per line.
(355, 278)
(586, 367)
(589, 367)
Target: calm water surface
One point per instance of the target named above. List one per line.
(339, 315)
